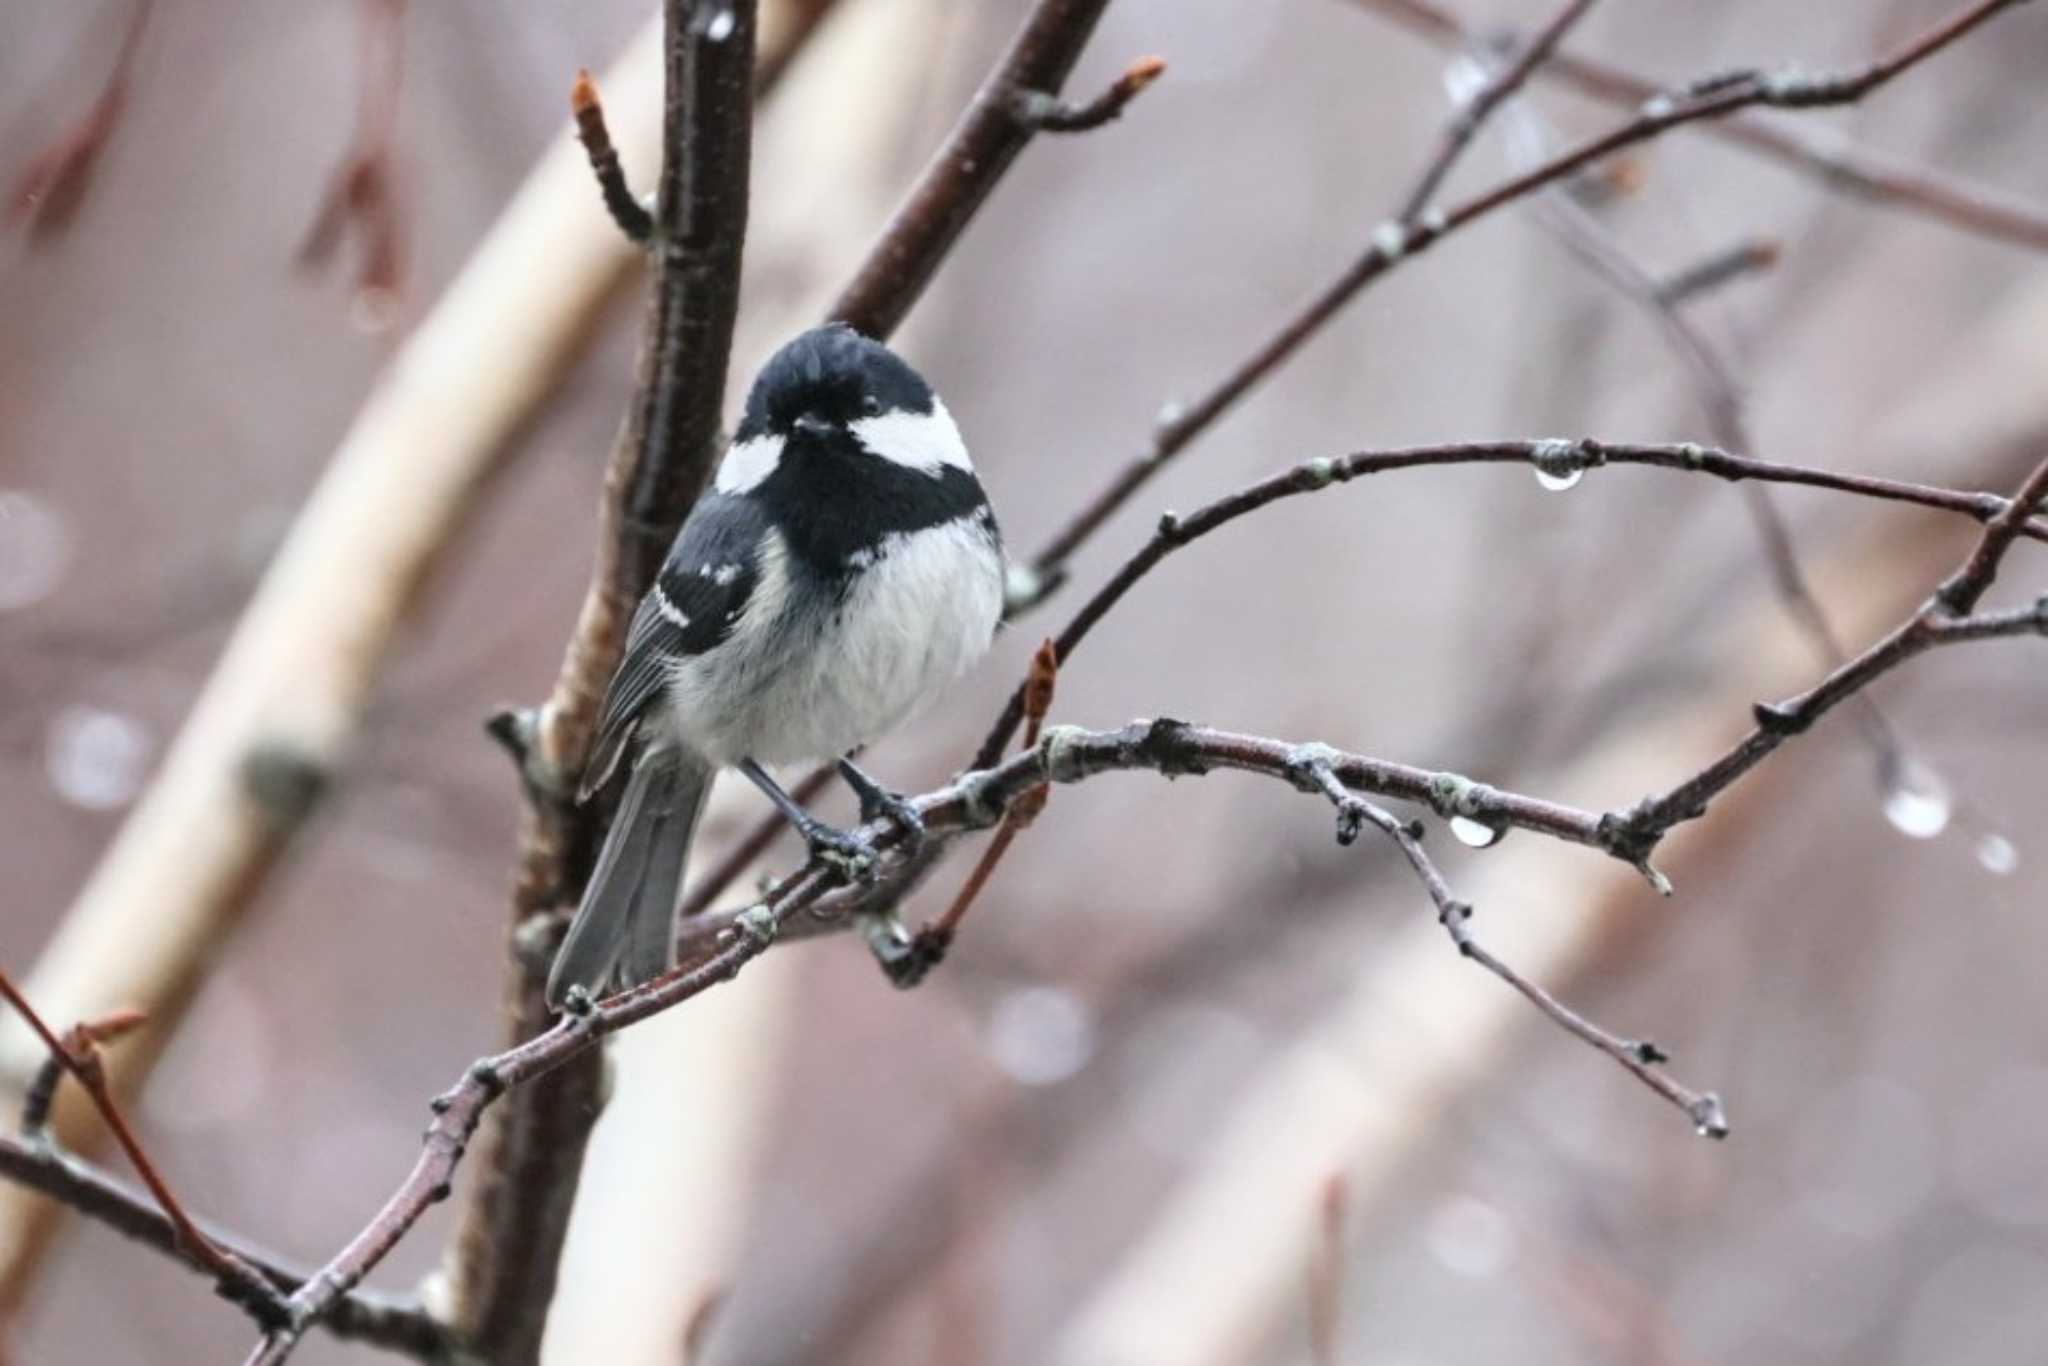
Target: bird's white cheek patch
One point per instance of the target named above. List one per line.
(747, 463)
(923, 441)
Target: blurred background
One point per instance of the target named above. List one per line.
(1192, 1068)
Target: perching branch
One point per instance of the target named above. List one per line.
(1397, 240)
(1849, 170)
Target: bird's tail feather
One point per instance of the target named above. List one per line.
(622, 932)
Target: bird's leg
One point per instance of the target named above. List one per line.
(876, 800)
(844, 850)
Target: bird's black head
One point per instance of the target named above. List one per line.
(828, 379)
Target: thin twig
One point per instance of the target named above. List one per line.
(80, 1039)
(931, 942)
(1849, 170)
(1396, 241)
(626, 209)
(1643, 1059)
(400, 1325)
(77, 1053)
(45, 195)
(1750, 257)
(1558, 456)
(1043, 112)
(1498, 87)
(1941, 621)
(975, 155)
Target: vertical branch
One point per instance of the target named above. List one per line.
(503, 1262)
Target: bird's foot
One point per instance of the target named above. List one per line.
(877, 801)
(843, 851)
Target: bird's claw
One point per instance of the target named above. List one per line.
(846, 853)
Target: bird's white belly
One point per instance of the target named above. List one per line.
(818, 680)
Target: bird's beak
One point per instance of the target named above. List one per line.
(812, 424)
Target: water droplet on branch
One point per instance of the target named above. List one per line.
(1476, 834)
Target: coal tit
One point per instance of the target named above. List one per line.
(844, 568)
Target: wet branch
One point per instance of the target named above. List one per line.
(1399, 240)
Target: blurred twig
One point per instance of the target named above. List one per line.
(1399, 239)
(364, 192)
(1849, 170)
(1326, 1273)
(46, 194)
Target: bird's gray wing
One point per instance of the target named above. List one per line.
(692, 606)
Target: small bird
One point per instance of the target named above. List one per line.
(843, 569)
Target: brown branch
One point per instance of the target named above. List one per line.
(1882, 181)
(1396, 241)
(976, 153)
(979, 799)
(928, 947)
(46, 194)
(1499, 87)
(1047, 113)
(364, 192)
(626, 210)
(381, 1321)
(1641, 1057)
(1751, 257)
(504, 1259)
(1939, 622)
(77, 1053)
(1558, 456)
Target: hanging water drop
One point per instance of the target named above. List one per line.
(1918, 805)
(1997, 855)
(721, 26)
(1560, 464)
(1476, 834)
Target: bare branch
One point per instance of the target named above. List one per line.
(45, 195)
(1880, 180)
(1751, 257)
(361, 1316)
(1558, 456)
(1499, 87)
(504, 1259)
(1042, 112)
(1398, 240)
(975, 155)
(77, 1053)
(626, 210)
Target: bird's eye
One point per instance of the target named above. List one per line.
(871, 405)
